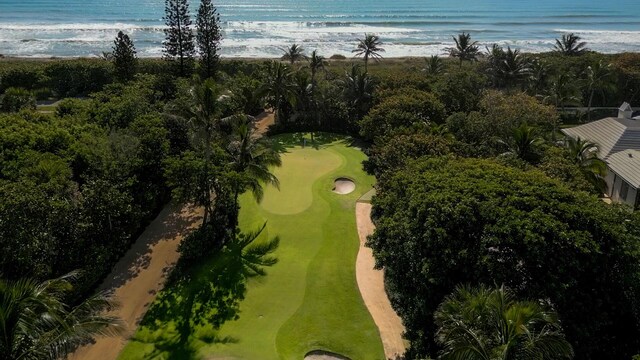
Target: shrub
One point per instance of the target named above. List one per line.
(16, 99)
(78, 77)
(24, 75)
(407, 109)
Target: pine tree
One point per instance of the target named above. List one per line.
(208, 37)
(124, 57)
(179, 46)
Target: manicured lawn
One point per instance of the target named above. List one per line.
(308, 301)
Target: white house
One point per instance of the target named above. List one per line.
(623, 178)
(618, 140)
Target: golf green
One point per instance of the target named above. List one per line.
(310, 299)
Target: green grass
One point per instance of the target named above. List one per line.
(308, 301)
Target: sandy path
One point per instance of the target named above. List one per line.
(140, 274)
(263, 121)
(371, 284)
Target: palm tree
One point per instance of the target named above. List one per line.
(203, 113)
(293, 54)
(369, 47)
(509, 67)
(538, 77)
(465, 49)
(434, 65)
(278, 87)
(600, 77)
(563, 91)
(252, 156)
(570, 45)
(487, 324)
(524, 143)
(358, 90)
(316, 63)
(495, 56)
(584, 154)
(303, 91)
(35, 323)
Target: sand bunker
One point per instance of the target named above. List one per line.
(344, 186)
(324, 355)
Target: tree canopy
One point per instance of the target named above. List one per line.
(446, 221)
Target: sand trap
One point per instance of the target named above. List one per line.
(324, 355)
(344, 186)
(371, 284)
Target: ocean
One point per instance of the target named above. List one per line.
(261, 28)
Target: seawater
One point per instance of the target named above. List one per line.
(261, 28)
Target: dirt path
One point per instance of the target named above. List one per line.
(263, 121)
(371, 284)
(140, 274)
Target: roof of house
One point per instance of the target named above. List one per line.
(612, 135)
(627, 165)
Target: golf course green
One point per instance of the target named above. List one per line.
(308, 301)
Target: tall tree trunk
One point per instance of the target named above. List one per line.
(589, 106)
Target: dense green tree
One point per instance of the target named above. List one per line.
(278, 88)
(293, 54)
(203, 113)
(35, 322)
(252, 157)
(444, 222)
(317, 62)
(118, 105)
(509, 68)
(600, 78)
(203, 179)
(483, 323)
(570, 45)
(124, 57)
(208, 38)
(357, 90)
(557, 163)
(408, 110)
(179, 47)
(499, 115)
(563, 90)
(539, 77)
(507, 111)
(369, 47)
(393, 153)
(460, 89)
(246, 95)
(465, 49)
(628, 68)
(16, 99)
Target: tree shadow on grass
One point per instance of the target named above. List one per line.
(199, 300)
(318, 140)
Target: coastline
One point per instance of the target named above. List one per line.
(387, 59)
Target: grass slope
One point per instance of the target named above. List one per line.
(310, 299)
